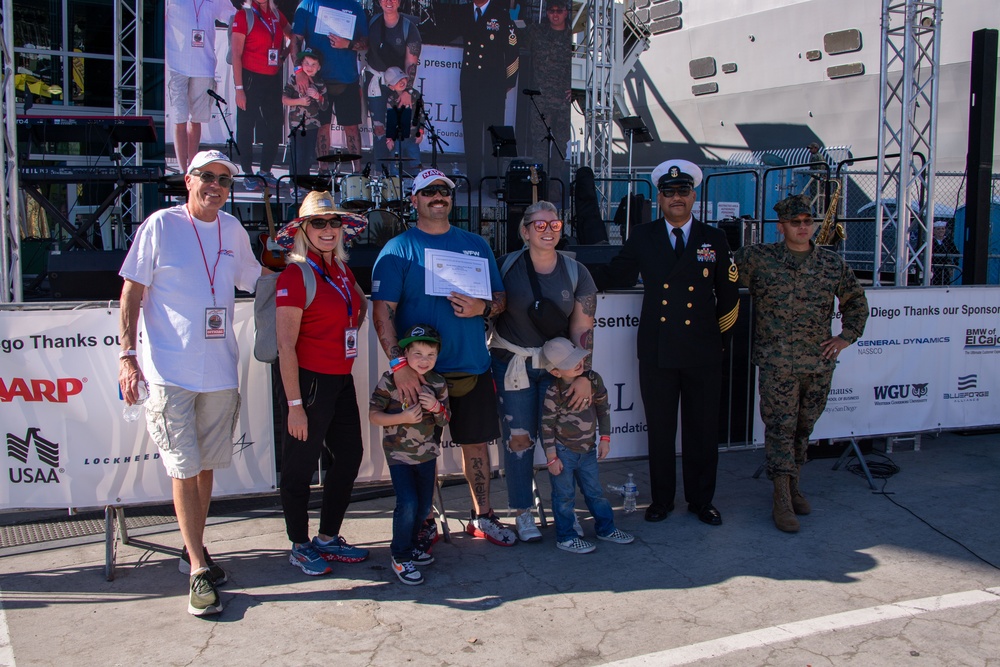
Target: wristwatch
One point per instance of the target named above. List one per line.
(591, 375)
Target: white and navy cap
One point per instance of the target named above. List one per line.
(940, 223)
(676, 172)
(208, 157)
(428, 176)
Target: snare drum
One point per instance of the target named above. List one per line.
(392, 193)
(356, 193)
(382, 226)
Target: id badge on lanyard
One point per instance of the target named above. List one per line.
(197, 38)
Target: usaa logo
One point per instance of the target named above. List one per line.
(46, 451)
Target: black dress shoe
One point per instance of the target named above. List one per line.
(658, 512)
(706, 514)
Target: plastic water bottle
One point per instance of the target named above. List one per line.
(631, 492)
(617, 490)
(131, 412)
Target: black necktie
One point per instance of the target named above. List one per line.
(679, 243)
(479, 14)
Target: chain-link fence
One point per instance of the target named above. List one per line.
(745, 198)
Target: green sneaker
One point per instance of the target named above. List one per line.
(204, 599)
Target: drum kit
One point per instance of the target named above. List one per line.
(381, 198)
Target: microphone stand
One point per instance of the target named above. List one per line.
(230, 145)
(548, 138)
(300, 130)
(433, 137)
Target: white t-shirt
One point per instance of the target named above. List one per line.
(166, 257)
(183, 18)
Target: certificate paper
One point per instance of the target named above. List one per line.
(446, 272)
(335, 21)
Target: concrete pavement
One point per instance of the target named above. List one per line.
(866, 582)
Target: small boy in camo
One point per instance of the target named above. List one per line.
(411, 441)
(568, 438)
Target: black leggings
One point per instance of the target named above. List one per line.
(263, 118)
(331, 406)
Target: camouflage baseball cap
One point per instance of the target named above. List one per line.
(560, 353)
(789, 207)
(423, 332)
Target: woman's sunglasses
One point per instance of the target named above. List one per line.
(542, 225)
(322, 223)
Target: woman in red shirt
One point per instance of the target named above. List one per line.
(257, 56)
(317, 345)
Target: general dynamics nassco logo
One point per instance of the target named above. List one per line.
(895, 394)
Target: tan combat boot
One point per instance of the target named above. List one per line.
(784, 515)
(799, 502)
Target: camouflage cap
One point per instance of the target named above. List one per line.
(422, 332)
(789, 207)
(562, 354)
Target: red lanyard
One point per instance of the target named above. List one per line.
(197, 12)
(210, 274)
(270, 25)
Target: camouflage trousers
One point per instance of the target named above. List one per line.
(790, 404)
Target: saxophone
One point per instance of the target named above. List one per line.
(829, 233)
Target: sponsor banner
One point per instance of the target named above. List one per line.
(438, 81)
(928, 360)
(67, 443)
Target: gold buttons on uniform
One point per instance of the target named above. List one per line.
(690, 305)
(666, 286)
(663, 319)
(687, 322)
(664, 302)
(691, 288)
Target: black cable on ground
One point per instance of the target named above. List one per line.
(884, 469)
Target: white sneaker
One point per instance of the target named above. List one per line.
(576, 546)
(526, 530)
(489, 527)
(576, 526)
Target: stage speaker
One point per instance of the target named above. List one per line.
(519, 185)
(362, 260)
(741, 232)
(81, 275)
(593, 255)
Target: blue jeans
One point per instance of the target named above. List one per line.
(414, 487)
(581, 469)
(520, 414)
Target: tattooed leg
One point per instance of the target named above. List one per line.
(476, 467)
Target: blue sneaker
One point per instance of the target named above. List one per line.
(338, 550)
(251, 183)
(269, 178)
(308, 560)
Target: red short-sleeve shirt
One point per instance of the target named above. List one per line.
(260, 40)
(320, 346)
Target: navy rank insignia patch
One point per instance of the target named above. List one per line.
(734, 273)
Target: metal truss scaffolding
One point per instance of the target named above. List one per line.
(128, 102)
(10, 218)
(600, 55)
(908, 100)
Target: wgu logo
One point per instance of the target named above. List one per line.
(901, 393)
(46, 451)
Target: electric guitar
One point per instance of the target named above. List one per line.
(272, 255)
(534, 184)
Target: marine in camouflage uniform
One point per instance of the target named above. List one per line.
(551, 53)
(793, 284)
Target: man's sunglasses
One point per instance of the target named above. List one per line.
(797, 222)
(542, 225)
(682, 191)
(323, 223)
(435, 190)
(208, 177)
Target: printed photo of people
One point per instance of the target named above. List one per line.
(321, 88)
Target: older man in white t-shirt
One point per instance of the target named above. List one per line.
(182, 269)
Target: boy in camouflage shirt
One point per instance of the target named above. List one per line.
(568, 438)
(411, 442)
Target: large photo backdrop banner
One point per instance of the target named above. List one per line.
(510, 52)
(67, 445)
(929, 359)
